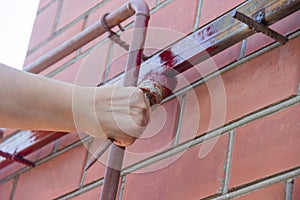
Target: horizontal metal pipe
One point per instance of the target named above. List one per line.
(214, 37)
(227, 68)
(84, 37)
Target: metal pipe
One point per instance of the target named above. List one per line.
(1, 134)
(134, 59)
(89, 34)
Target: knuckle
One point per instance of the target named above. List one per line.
(140, 95)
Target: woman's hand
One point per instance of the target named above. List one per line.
(120, 113)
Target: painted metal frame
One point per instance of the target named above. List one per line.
(210, 39)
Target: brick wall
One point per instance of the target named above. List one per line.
(253, 153)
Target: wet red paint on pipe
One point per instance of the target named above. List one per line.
(27, 142)
(16, 158)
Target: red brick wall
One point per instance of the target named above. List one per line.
(252, 154)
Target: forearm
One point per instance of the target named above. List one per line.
(34, 102)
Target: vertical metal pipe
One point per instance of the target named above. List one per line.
(1, 134)
(134, 59)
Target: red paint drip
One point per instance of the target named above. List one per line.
(167, 58)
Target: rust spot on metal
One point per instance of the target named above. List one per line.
(157, 86)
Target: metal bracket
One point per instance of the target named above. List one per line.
(113, 36)
(257, 24)
(17, 158)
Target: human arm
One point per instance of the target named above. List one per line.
(34, 102)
